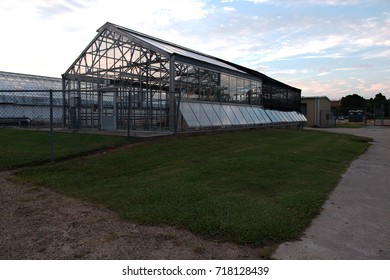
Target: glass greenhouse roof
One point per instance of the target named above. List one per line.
(172, 49)
(15, 81)
(198, 115)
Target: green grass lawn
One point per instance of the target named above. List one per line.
(350, 125)
(259, 187)
(22, 147)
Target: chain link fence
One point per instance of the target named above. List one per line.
(31, 108)
(84, 109)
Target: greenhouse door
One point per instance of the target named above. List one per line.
(107, 110)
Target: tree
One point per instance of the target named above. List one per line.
(380, 105)
(370, 106)
(352, 102)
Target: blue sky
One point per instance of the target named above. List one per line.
(324, 47)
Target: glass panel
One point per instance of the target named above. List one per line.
(231, 115)
(240, 90)
(208, 81)
(221, 114)
(212, 116)
(239, 115)
(295, 116)
(259, 115)
(277, 115)
(225, 97)
(287, 116)
(253, 115)
(281, 116)
(292, 116)
(298, 116)
(200, 114)
(233, 89)
(245, 114)
(247, 86)
(255, 97)
(302, 117)
(266, 118)
(188, 115)
(272, 116)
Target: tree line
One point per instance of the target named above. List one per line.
(373, 107)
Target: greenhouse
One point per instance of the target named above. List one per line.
(24, 99)
(128, 80)
(16, 81)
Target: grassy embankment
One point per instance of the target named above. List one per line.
(260, 187)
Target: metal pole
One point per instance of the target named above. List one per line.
(172, 101)
(51, 128)
(128, 116)
(64, 103)
(177, 112)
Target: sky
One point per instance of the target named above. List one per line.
(327, 48)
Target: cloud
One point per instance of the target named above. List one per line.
(55, 32)
(44, 9)
(311, 44)
(229, 9)
(315, 47)
(291, 71)
(363, 67)
(336, 86)
(377, 88)
(310, 2)
(52, 10)
(314, 87)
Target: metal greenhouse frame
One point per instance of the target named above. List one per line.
(128, 80)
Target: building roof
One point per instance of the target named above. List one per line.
(314, 97)
(171, 48)
(187, 55)
(17, 81)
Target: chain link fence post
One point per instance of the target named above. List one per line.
(51, 128)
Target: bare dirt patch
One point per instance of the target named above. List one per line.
(38, 223)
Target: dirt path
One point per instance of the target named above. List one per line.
(37, 223)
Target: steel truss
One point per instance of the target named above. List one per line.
(126, 77)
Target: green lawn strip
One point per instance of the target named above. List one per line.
(259, 187)
(23, 147)
(350, 125)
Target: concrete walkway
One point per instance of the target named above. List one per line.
(355, 221)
